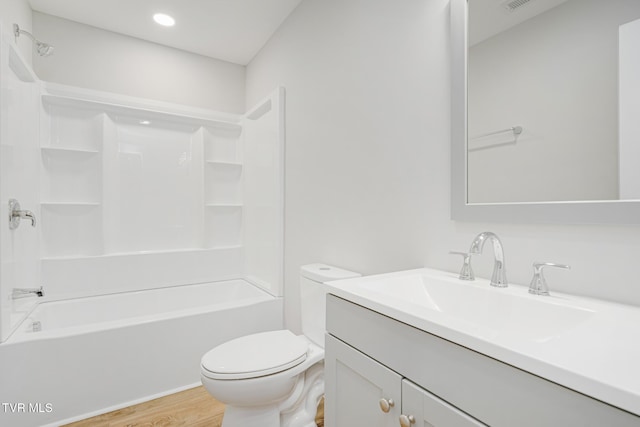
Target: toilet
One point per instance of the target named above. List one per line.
(276, 378)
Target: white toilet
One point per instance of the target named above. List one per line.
(275, 379)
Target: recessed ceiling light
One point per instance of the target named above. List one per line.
(164, 19)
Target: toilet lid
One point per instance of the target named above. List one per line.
(255, 355)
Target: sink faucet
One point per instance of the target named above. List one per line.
(499, 275)
(25, 292)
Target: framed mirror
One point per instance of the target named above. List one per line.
(546, 111)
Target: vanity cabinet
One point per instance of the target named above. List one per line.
(365, 393)
(370, 356)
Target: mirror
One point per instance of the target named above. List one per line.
(545, 105)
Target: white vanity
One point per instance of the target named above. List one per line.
(422, 347)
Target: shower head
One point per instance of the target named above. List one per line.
(43, 49)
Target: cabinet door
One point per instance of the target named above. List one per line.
(358, 390)
(429, 411)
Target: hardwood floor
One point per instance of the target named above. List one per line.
(190, 408)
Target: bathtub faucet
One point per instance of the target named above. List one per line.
(25, 292)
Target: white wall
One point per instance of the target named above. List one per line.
(367, 163)
(18, 12)
(92, 58)
(364, 113)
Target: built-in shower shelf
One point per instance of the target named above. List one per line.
(216, 163)
(100, 151)
(190, 116)
(59, 151)
(146, 254)
(71, 204)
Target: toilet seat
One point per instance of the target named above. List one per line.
(255, 356)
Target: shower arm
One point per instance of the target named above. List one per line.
(43, 49)
(17, 32)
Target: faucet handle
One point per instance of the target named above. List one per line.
(538, 284)
(466, 273)
(16, 214)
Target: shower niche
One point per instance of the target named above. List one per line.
(132, 189)
(71, 180)
(223, 187)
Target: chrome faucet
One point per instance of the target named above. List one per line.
(25, 292)
(499, 275)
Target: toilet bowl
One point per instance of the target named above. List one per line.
(275, 379)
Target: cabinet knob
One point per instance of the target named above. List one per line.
(386, 404)
(407, 420)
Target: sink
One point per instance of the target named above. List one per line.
(585, 344)
(488, 312)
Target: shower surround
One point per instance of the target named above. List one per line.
(131, 195)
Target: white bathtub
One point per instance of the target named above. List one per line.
(97, 354)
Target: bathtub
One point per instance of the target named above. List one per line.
(97, 354)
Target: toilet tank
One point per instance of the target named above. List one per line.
(313, 297)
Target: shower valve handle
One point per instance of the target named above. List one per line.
(16, 214)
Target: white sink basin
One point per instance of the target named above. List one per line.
(489, 312)
(585, 344)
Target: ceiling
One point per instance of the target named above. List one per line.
(231, 30)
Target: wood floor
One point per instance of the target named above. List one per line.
(190, 408)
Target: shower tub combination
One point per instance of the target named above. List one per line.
(137, 288)
(97, 354)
